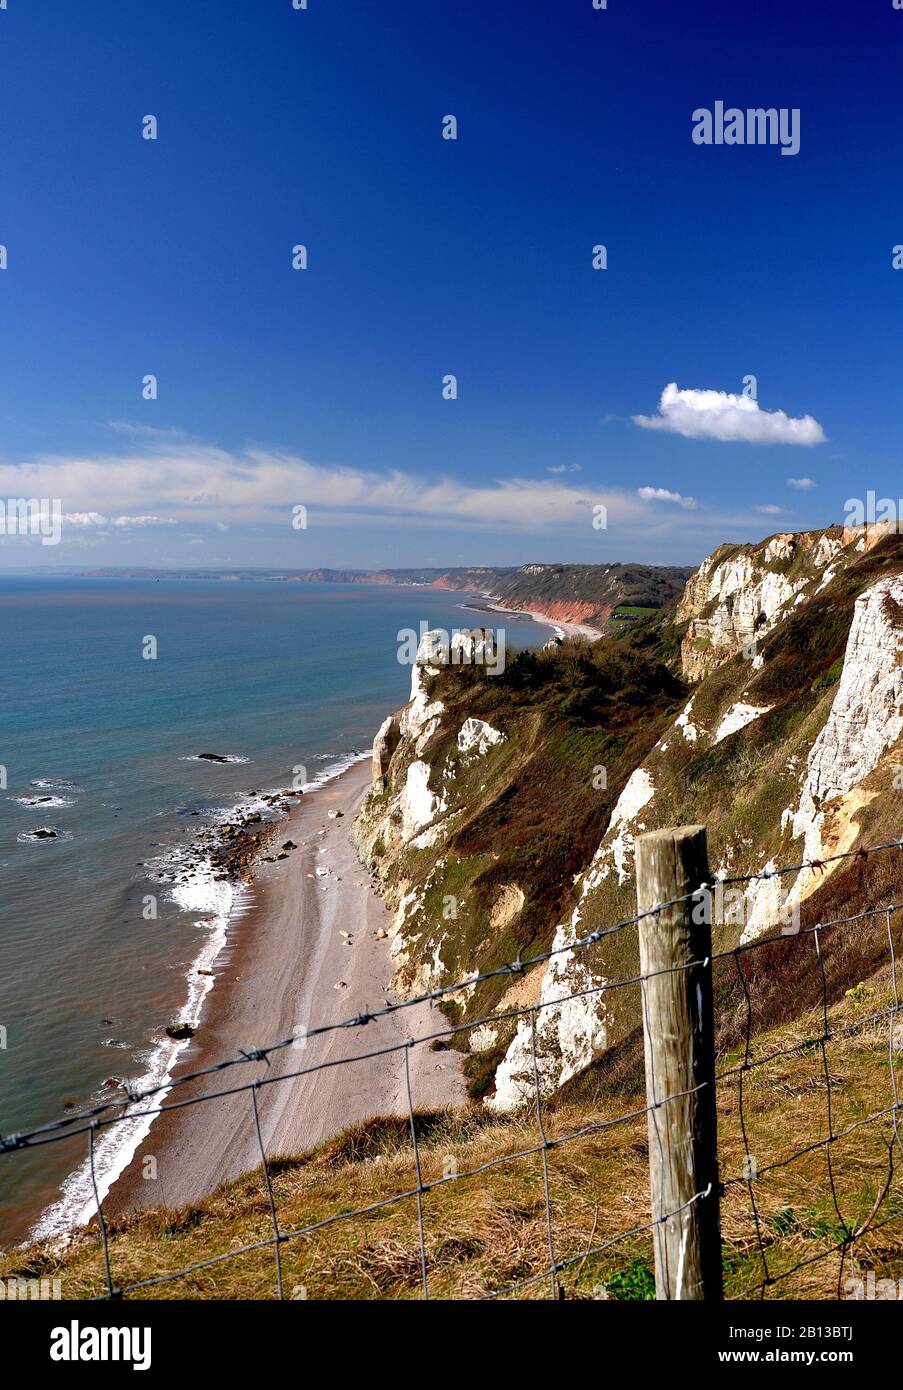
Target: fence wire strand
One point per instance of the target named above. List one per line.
(124, 1110)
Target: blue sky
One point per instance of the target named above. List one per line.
(426, 257)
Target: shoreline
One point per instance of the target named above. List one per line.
(562, 628)
(209, 877)
(284, 967)
(239, 909)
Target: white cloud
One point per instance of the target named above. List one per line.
(663, 494)
(565, 468)
(721, 415)
(801, 483)
(769, 509)
(85, 519)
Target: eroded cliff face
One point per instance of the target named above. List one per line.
(415, 803)
(589, 614)
(741, 592)
(787, 749)
(863, 725)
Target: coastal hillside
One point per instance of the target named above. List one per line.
(608, 597)
(767, 703)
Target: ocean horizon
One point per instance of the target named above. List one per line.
(106, 801)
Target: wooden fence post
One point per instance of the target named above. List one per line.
(679, 1046)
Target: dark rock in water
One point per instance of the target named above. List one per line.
(43, 834)
(213, 757)
(106, 1022)
(179, 1030)
(116, 1083)
(289, 844)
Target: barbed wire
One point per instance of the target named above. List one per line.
(515, 967)
(123, 1110)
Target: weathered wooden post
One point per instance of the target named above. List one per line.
(679, 1044)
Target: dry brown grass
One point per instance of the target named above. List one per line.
(486, 1231)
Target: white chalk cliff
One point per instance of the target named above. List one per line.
(781, 735)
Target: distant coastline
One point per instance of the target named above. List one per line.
(581, 600)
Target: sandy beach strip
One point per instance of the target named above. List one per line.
(304, 954)
(592, 634)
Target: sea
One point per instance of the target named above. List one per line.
(110, 688)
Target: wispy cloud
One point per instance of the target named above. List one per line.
(565, 468)
(803, 484)
(166, 483)
(769, 509)
(186, 491)
(729, 418)
(97, 519)
(146, 431)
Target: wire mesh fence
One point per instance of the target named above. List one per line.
(829, 1214)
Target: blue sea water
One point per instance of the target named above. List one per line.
(278, 674)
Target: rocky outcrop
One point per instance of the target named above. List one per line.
(387, 740)
(420, 716)
(740, 593)
(866, 717)
(737, 718)
(419, 805)
(417, 790)
(618, 840)
(477, 737)
(570, 1028)
(477, 646)
(507, 906)
(865, 721)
